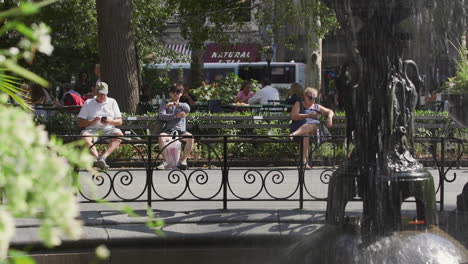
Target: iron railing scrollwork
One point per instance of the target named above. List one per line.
(227, 182)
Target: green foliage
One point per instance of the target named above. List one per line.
(459, 83)
(20, 257)
(74, 37)
(149, 22)
(229, 87)
(59, 124)
(27, 41)
(430, 113)
(35, 176)
(158, 80)
(126, 152)
(202, 20)
(283, 18)
(226, 90)
(206, 92)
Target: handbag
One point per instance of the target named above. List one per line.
(323, 134)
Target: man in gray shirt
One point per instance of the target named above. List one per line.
(174, 114)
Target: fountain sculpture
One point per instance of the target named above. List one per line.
(382, 94)
(382, 103)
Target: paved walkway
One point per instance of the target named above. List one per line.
(264, 227)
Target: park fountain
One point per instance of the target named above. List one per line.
(381, 93)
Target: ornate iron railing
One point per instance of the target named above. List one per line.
(260, 179)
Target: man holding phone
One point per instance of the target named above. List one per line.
(100, 116)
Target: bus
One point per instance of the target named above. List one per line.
(283, 74)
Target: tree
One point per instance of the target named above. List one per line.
(74, 37)
(117, 51)
(149, 22)
(290, 22)
(203, 20)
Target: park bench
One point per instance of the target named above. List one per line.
(209, 129)
(247, 127)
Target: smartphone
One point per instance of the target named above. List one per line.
(104, 119)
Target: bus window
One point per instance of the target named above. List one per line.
(217, 74)
(283, 74)
(253, 72)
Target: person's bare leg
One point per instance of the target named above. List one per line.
(163, 137)
(308, 129)
(299, 132)
(188, 146)
(89, 142)
(311, 131)
(305, 129)
(305, 153)
(115, 143)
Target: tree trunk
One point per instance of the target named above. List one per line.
(314, 56)
(197, 75)
(117, 52)
(196, 66)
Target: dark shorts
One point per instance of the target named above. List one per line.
(170, 131)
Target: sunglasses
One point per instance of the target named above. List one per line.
(311, 97)
(178, 92)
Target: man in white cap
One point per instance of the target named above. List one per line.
(100, 116)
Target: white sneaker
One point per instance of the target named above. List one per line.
(162, 166)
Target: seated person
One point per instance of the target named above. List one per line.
(38, 97)
(245, 93)
(71, 97)
(90, 95)
(305, 113)
(187, 97)
(294, 94)
(83, 85)
(145, 96)
(266, 93)
(99, 116)
(174, 114)
(144, 105)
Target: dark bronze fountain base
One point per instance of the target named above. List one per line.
(348, 183)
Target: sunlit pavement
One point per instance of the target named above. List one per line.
(267, 223)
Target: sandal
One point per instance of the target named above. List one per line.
(307, 166)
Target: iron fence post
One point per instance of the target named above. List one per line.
(149, 171)
(301, 173)
(442, 173)
(225, 172)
